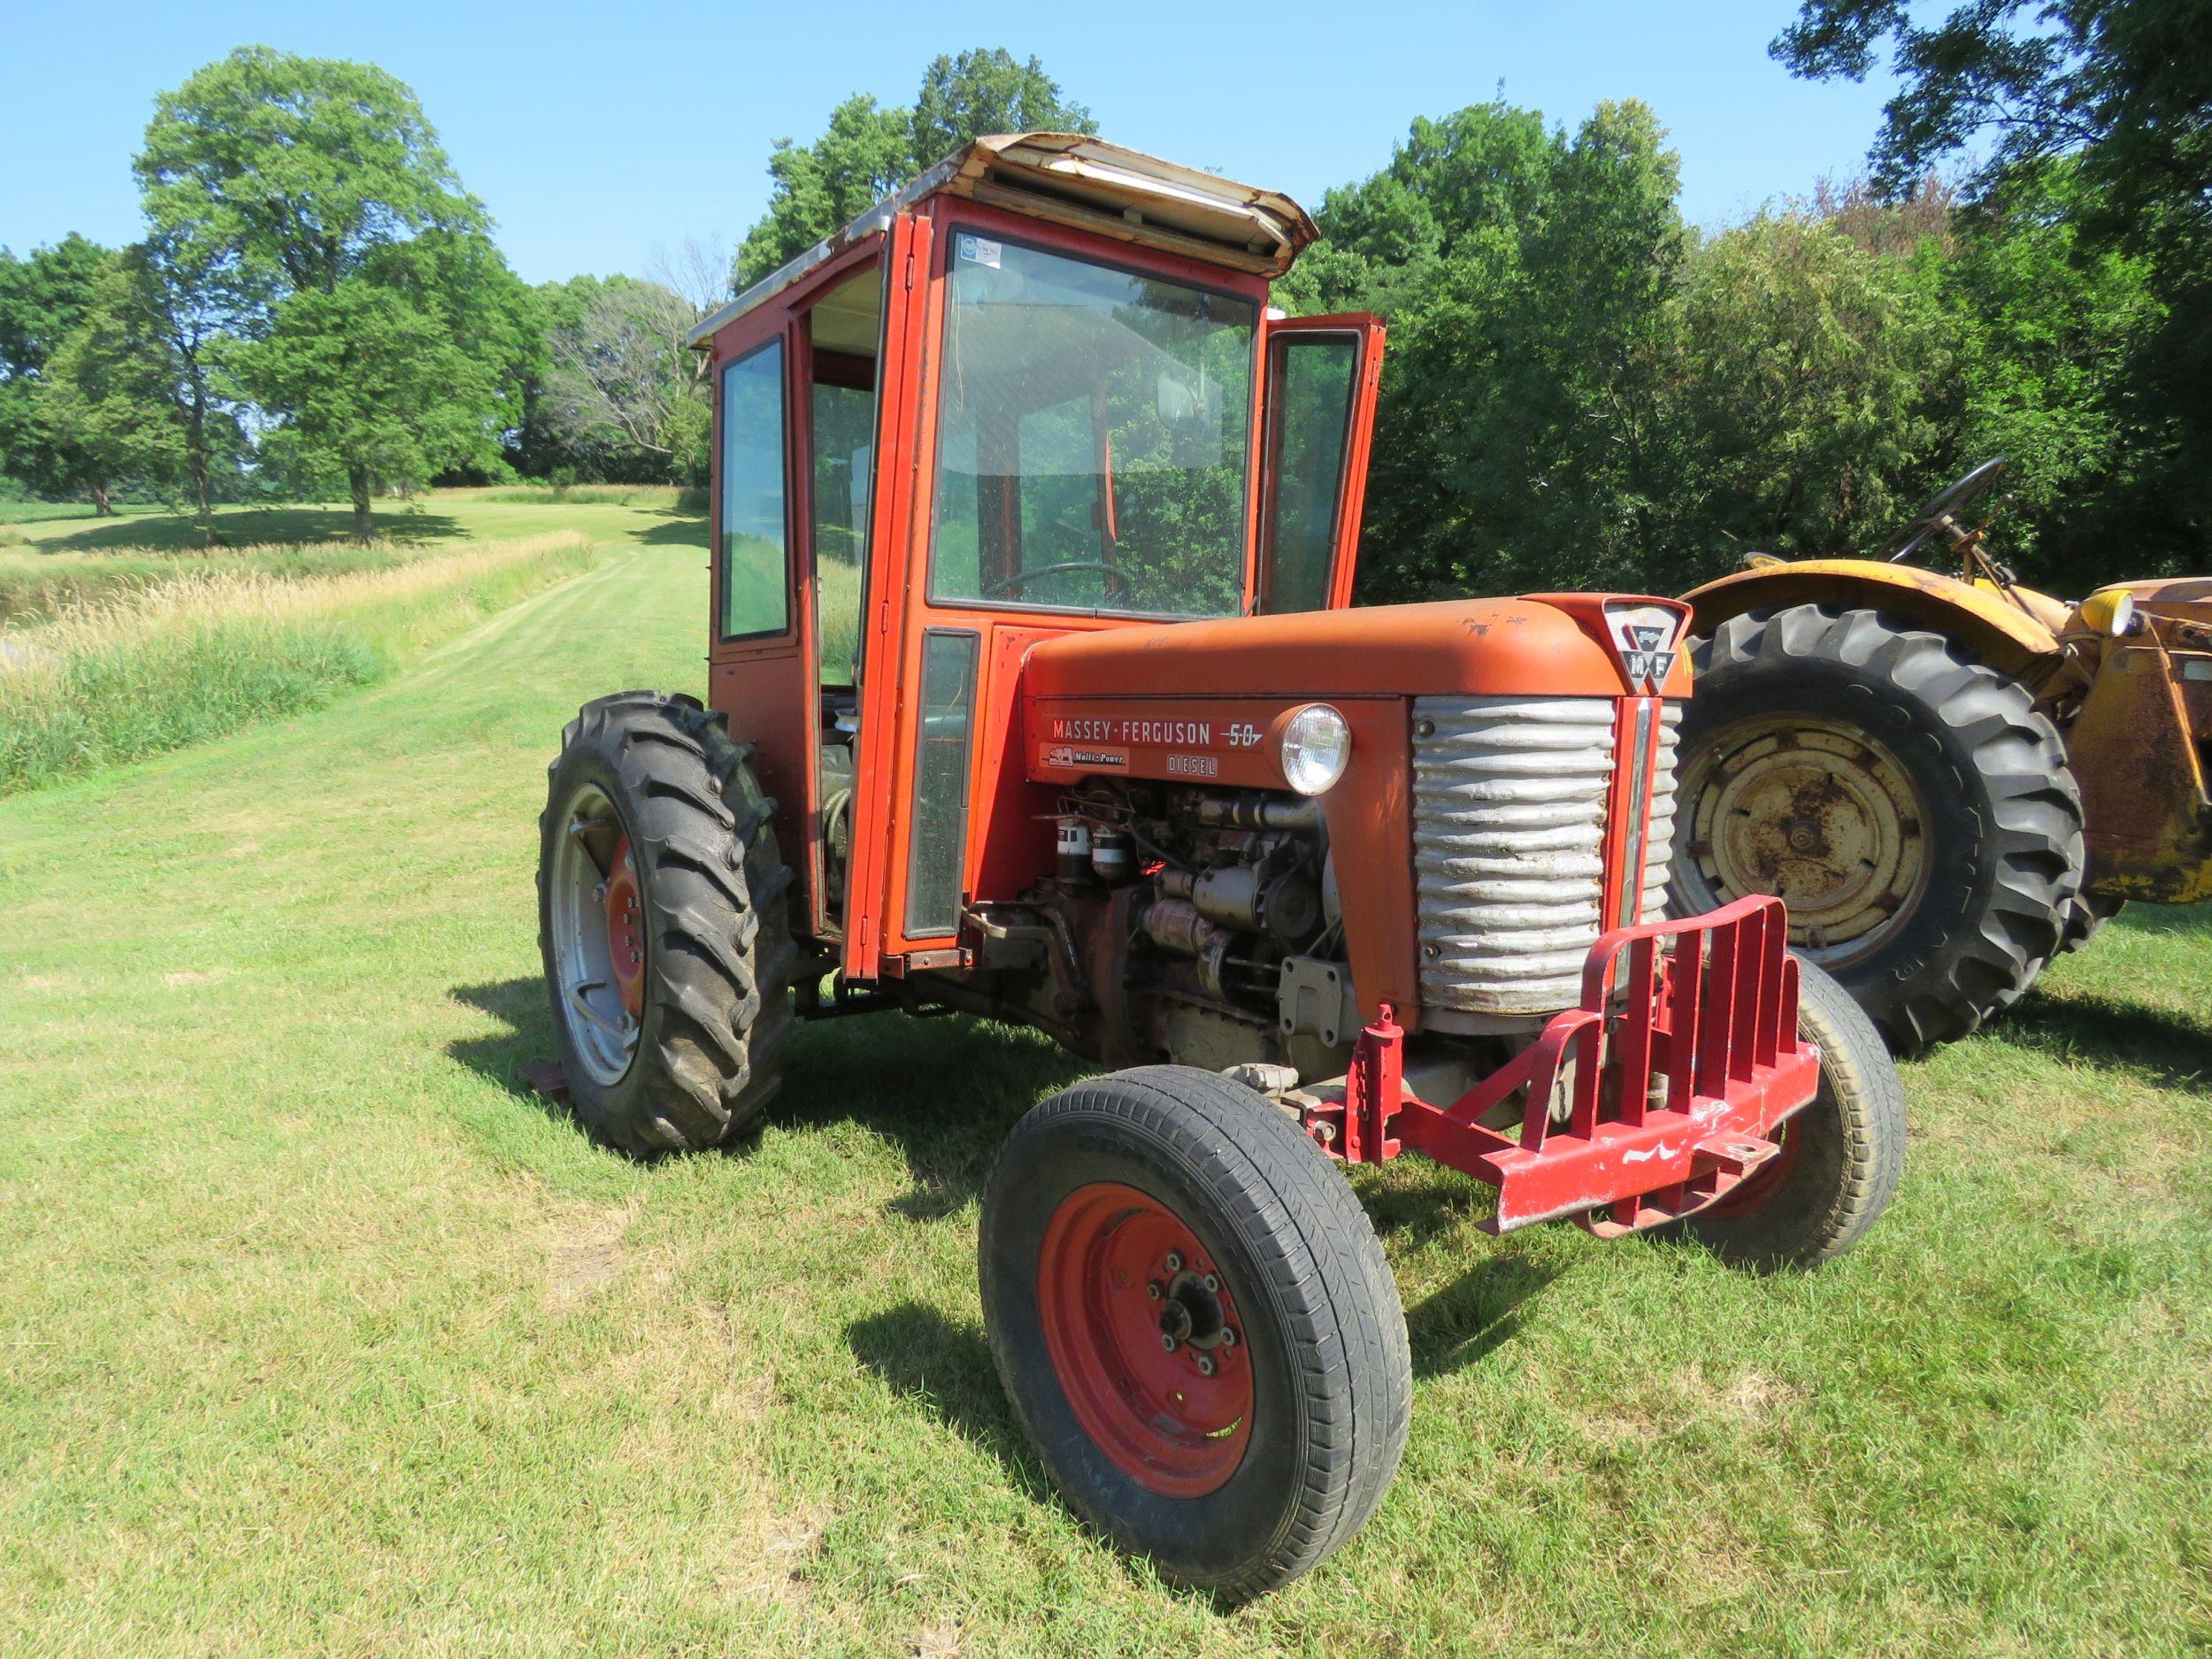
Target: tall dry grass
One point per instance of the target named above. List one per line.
(158, 666)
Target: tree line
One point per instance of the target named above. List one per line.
(1582, 389)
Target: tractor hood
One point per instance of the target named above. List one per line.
(1547, 645)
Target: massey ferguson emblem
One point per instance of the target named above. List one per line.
(1644, 655)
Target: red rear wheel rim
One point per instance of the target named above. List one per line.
(1146, 1339)
(625, 931)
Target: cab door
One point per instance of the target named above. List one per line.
(1319, 407)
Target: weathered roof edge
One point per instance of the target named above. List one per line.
(1079, 179)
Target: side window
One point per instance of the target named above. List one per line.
(941, 782)
(755, 594)
(844, 433)
(1312, 385)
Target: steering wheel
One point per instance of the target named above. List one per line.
(1117, 581)
(1940, 512)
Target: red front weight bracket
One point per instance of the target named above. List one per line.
(1654, 1098)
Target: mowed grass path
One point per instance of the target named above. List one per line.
(316, 1335)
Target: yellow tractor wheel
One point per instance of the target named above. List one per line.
(1908, 803)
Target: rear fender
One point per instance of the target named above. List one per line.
(2013, 638)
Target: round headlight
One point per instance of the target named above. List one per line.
(1317, 748)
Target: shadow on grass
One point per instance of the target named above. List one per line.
(945, 1092)
(1474, 1315)
(2173, 1048)
(252, 527)
(944, 1366)
(675, 529)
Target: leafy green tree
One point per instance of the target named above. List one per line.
(382, 328)
(1806, 364)
(42, 299)
(1524, 273)
(132, 388)
(2122, 88)
(622, 398)
(870, 150)
(986, 91)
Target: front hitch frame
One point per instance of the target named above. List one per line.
(1677, 1069)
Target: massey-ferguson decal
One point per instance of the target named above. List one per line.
(1223, 741)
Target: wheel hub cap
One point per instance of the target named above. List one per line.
(1146, 1340)
(1818, 815)
(625, 936)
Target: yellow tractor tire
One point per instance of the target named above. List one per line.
(1904, 799)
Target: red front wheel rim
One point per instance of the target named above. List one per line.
(1147, 1340)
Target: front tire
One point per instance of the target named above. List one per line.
(662, 924)
(1842, 1155)
(1195, 1324)
(1909, 804)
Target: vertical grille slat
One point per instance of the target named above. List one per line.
(1508, 813)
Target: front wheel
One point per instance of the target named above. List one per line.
(1195, 1324)
(1841, 1155)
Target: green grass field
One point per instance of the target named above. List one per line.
(321, 1336)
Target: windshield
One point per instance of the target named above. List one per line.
(1092, 437)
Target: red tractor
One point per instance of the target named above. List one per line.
(1035, 693)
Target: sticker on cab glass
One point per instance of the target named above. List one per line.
(980, 251)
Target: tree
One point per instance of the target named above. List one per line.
(2123, 89)
(42, 299)
(869, 150)
(382, 329)
(622, 395)
(131, 389)
(963, 98)
(1807, 370)
(1525, 273)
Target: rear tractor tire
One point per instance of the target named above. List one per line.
(668, 953)
(1840, 1158)
(1195, 1324)
(1908, 803)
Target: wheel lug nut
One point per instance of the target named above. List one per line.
(1228, 1336)
(1174, 1261)
(1205, 1365)
(1212, 1283)
(1152, 1290)
(1167, 1343)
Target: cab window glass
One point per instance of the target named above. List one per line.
(755, 596)
(1313, 383)
(1093, 437)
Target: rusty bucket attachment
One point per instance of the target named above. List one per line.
(1655, 1098)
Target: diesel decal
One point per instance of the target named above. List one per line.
(1193, 766)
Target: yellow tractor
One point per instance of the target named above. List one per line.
(1949, 779)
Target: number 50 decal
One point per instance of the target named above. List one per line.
(1243, 735)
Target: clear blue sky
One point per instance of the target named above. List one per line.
(595, 133)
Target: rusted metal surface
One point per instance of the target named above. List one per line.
(2139, 747)
(2008, 634)
(1818, 813)
(1672, 1095)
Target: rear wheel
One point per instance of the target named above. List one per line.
(662, 924)
(1909, 804)
(1842, 1155)
(1195, 1324)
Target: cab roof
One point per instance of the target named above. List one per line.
(1085, 182)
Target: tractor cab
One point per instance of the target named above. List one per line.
(1039, 392)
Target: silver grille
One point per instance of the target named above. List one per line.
(1509, 848)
